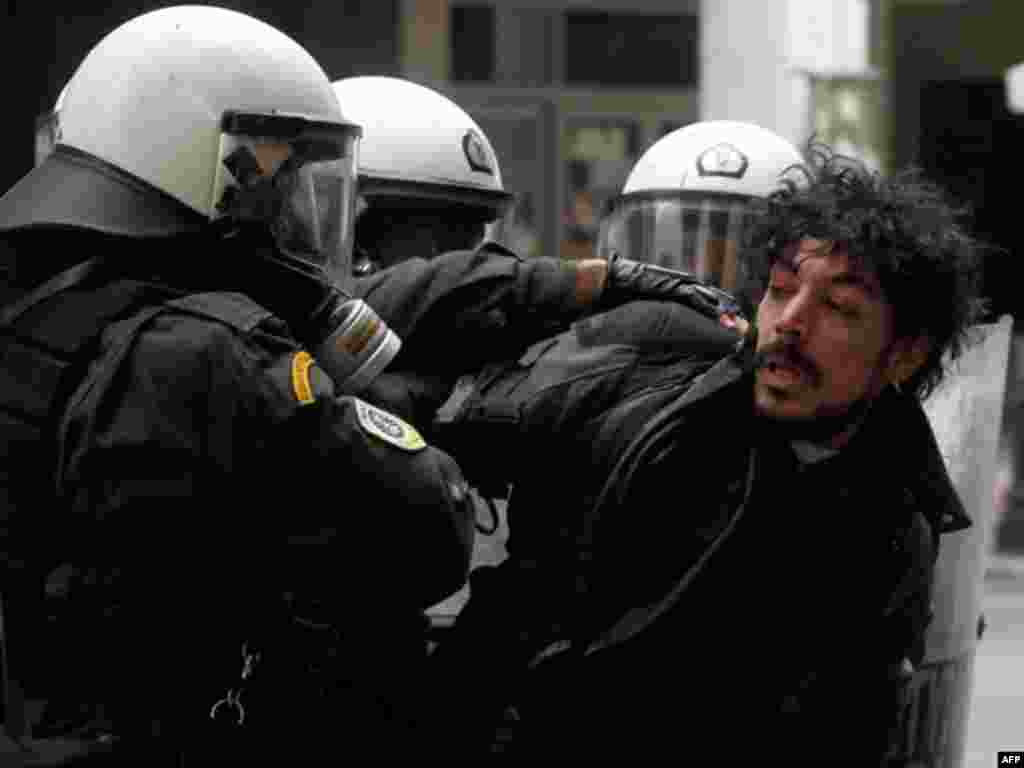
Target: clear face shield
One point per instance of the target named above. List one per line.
(693, 232)
(424, 222)
(297, 176)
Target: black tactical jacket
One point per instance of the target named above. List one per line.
(187, 463)
(677, 578)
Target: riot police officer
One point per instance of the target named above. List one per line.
(686, 203)
(429, 178)
(180, 427)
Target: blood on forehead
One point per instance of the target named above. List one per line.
(796, 253)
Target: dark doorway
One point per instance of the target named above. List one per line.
(970, 143)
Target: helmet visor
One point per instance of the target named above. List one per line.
(692, 232)
(392, 230)
(297, 177)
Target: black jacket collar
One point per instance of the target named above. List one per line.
(896, 422)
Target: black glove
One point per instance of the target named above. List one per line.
(630, 280)
(410, 396)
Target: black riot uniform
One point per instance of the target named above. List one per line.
(188, 454)
(463, 311)
(186, 496)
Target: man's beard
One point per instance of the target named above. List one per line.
(829, 420)
(826, 423)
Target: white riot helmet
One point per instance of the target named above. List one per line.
(686, 202)
(423, 154)
(216, 110)
(194, 114)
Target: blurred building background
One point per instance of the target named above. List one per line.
(571, 92)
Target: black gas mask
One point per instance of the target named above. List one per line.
(285, 192)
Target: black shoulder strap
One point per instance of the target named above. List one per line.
(233, 309)
(44, 355)
(18, 434)
(61, 282)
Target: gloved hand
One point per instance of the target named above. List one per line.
(630, 280)
(411, 396)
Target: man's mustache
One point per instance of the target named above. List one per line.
(786, 353)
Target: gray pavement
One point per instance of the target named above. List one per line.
(996, 720)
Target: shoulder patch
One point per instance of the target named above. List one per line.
(388, 427)
(301, 385)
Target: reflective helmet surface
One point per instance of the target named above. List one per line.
(150, 96)
(419, 145)
(199, 103)
(685, 205)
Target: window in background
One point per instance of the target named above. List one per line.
(630, 49)
(514, 135)
(600, 154)
(472, 36)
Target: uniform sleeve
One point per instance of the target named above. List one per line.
(237, 444)
(465, 308)
(536, 407)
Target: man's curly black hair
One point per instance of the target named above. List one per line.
(901, 227)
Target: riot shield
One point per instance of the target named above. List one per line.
(966, 416)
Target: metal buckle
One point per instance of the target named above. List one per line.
(233, 698)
